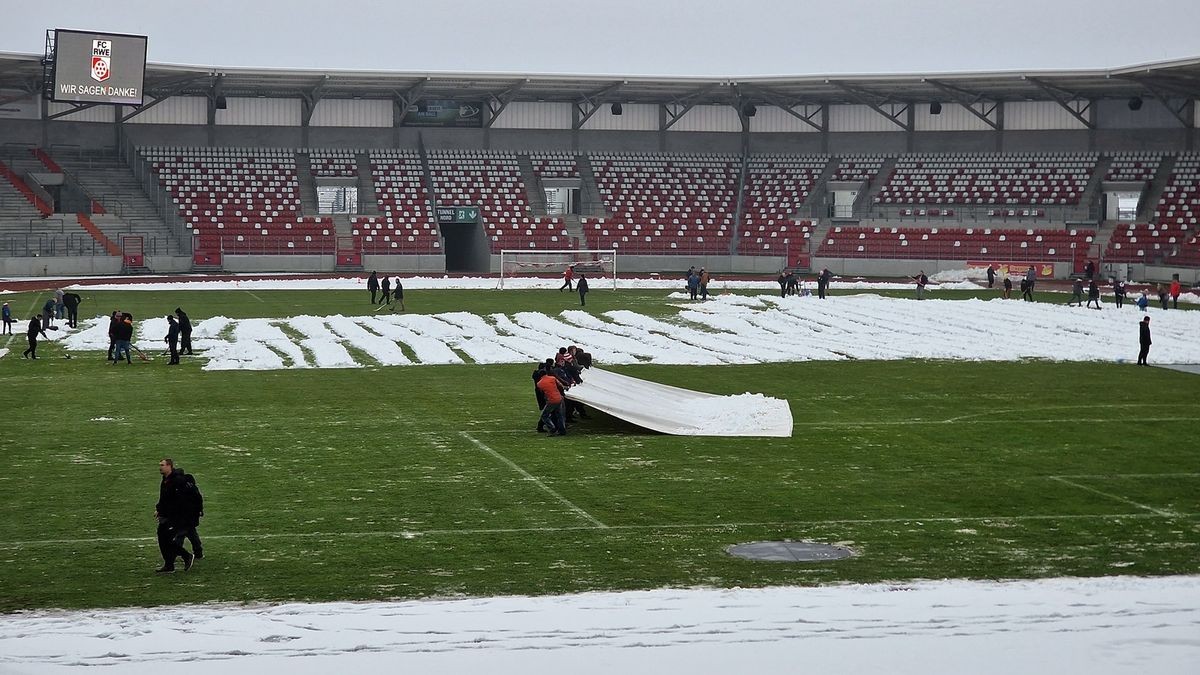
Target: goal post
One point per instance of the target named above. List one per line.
(596, 263)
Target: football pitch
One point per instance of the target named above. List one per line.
(410, 482)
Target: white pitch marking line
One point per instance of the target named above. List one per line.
(1103, 476)
(17, 321)
(411, 534)
(530, 477)
(254, 296)
(1161, 512)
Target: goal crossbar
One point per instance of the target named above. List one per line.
(533, 261)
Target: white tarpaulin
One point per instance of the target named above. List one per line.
(682, 412)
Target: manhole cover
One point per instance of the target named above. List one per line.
(789, 551)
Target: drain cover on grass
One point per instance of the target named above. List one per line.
(789, 551)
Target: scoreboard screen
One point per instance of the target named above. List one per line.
(98, 67)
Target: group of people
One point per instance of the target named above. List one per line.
(120, 337)
(791, 283)
(391, 296)
(697, 283)
(581, 284)
(551, 380)
(61, 304)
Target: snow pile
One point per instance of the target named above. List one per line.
(729, 329)
(1101, 626)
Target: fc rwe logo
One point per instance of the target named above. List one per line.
(101, 60)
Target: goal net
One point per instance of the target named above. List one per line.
(597, 264)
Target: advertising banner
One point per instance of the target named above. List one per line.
(445, 113)
(1044, 270)
(99, 67)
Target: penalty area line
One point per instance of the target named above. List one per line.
(1162, 512)
(413, 534)
(530, 477)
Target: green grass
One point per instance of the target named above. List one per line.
(360, 483)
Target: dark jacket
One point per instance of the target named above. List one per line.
(172, 332)
(583, 358)
(386, 285)
(124, 331)
(825, 277)
(113, 322)
(1144, 335)
(185, 324)
(582, 287)
(172, 497)
(35, 327)
(72, 300)
(372, 282)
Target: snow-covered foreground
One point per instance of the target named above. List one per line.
(728, 329)
(1096, 626)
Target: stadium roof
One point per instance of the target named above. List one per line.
(1165, 80)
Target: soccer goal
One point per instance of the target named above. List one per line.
(595, 263)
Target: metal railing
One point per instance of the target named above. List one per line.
(43, 244)
(924, 251)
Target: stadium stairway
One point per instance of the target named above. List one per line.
(1149, 205)
(368, 197)
(534, 192)
(812, 207)
(1089, 200)
(866, 200)
(125, 208)
(589, 192)
(308, 185)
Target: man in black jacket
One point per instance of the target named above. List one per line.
(1144, 341)
(823, 282)
(35, 327)
(172, 513)
(582, 287)
(185, 332)
(173, 339)
(71, 302)
(113, 321)
(386, 287)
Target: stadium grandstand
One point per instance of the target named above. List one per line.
(276, 170)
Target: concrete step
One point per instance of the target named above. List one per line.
(1149, 205)
(308, 186)
(368, 197)
(533, 186)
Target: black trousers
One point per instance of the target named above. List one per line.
(582, 300)
(32, 351)
(821, 291)
(111, 345)
(1143, 354)
(1120, 300)
(387, 297)
(174, 347)
(8, 324)
(170, 542)
(185, 344)
(73, 316)
(566, 285)
(541, 402)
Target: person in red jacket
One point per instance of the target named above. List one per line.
(568, 275)
(1175, 292)
(552, 413)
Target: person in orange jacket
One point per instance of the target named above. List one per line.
(1175, 292)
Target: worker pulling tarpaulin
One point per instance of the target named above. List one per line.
(682, 412)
